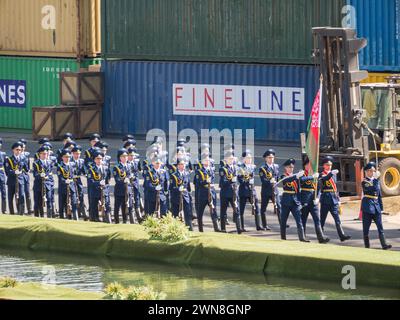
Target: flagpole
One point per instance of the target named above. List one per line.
(319, 135)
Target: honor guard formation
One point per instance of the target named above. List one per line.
(167, 187)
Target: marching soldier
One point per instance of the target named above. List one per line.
(79, 171)
(129, 144)
(156, 188)
(15, 179)
(68, 146)
(3, 179)
(93, 140)
(67, 193)
(290, 201)
(229, 194)
(133, 163)
(329, 199)
(372, 205)
(25, 173)
(269, 174)
(43, 185)
(181, 202)
(247, 192)
(122, 189)
(68, 137)
(309, 201)
(205, 192)
(99, 176)
(41, 143)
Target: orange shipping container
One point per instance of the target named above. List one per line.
(50, 28)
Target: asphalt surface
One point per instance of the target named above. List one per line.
(351, 226)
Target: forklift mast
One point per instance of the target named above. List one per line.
(336, 53)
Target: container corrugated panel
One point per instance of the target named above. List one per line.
(376, 77)
(37, 80)
(140, 96)
(379, 23)
(48, 28)
(266, 31)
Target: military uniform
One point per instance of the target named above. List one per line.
(372, 207)
(3, 180)
(205, 194)
(134, 170)
(122, 191)
(309, 186)
(330, 201)
(290, 202)
(79, 171)
(43, 187)
(269, 175)
(15, 180)
(99, 181)
(228, 195)
(65, 174)
(155, 181)
(179, 186)
(247, 193)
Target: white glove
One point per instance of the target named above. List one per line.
(335, 172)
(299, 174)
(273, 181)
(316, 175)
(43, 175)
(316, 202)
(18, 172)
(68, 181)
(102, 183)
(127, 180)
(209, 180)
(158, 188)
(234, 179)
(181, 188)
(251, 181)
(377, 174)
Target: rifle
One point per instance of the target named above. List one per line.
(210, 200)
(17, 190)
(247, 177)
(44, 199)
(158, 207)
(180, 214)
(69, 204)
(127, 202)
(235, 202)
(101, 204)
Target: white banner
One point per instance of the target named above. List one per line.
(239, 101)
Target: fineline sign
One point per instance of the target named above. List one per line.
(13, 93)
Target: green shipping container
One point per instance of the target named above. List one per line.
(30, 82)
(265, 31)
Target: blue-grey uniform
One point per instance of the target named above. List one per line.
(247, 192)
(79, 172)
(99, 181)
(309, 186)
(134, 168)
(13, 166)
(330, 200)
(155, 181)
(268, 173)
(290, 203)
(205, 194)
(43, 187)
(122, 190)
(25, 173)
(179, 185)
(228, 195)
(372, 207)
(65, 173)
(3, 179)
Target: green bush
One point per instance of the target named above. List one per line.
(167, 229)
(116, 291)
(8, 282)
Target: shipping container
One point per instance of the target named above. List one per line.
(28, 82)
(274, 100)
(265, 31)
(376, 77)
(379, 23)
(50, 28)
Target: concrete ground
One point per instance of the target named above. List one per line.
(350, 210)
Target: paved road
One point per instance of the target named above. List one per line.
(354, 228)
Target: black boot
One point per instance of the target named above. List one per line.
(215, 225)
(320, 235)
(223, 225)
(139, 217)
(200, 223)
(238, 224)
(283, 233)
(242, 223)
(264, 222)
(341, 233)
(21, 208)
(366, 242)
(302, 236)
(385, 246)
(3, 206)
(29, 205)
(258, 223)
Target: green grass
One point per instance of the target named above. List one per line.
(209, 250)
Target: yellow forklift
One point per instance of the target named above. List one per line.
(360, 122)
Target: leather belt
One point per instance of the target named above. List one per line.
(371, 197)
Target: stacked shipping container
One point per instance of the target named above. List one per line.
(274, 97)
(51, 36)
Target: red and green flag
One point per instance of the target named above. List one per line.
(314, 132)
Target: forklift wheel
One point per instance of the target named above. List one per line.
(390, 177)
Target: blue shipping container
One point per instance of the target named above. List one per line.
(273, 100)
(379, 22)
